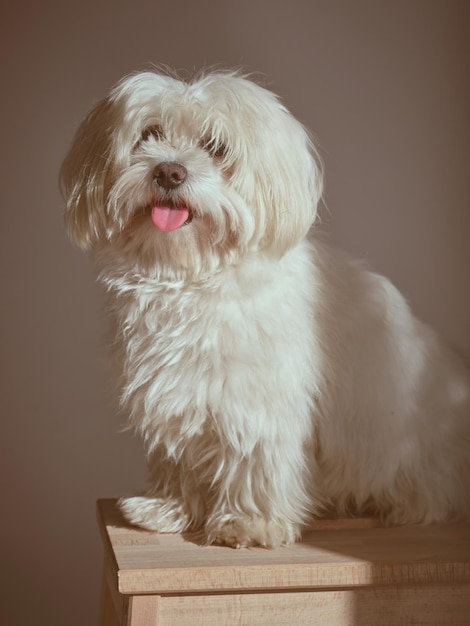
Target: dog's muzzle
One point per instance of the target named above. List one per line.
(169, 175)
(167, 215)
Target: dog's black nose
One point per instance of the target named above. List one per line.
(169, 174)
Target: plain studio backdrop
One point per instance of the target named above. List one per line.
(383, 84)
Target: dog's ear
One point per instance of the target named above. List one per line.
(290, 175)
(279, 174)
(85, 176)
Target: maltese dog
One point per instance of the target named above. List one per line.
(272, 379)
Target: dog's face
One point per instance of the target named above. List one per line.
(186, 176)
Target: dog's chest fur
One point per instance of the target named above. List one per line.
(225, 348)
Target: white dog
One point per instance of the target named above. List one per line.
(272, 379)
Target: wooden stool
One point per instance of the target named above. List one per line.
(344, 572)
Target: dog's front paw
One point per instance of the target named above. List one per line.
(165, 515)
(244, 532)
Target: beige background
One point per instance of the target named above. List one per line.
(384, 84)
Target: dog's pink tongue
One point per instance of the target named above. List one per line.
(169, 218)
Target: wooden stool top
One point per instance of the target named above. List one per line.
(333, 554)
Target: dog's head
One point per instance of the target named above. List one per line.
(189, 175)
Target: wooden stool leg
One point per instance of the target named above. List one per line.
(143, 611)
(108, 615)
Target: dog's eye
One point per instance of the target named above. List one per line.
(152, 131)
(219, 151)
(216, 149)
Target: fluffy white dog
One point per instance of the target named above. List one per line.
(272, 379)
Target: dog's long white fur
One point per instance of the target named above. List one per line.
(272, 378)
